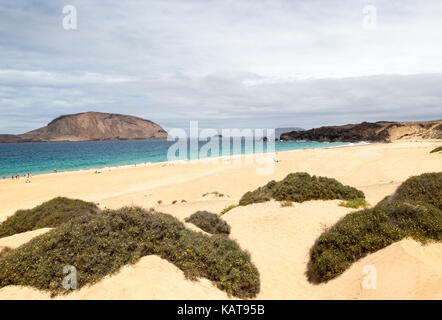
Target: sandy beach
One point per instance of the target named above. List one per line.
(278, 239)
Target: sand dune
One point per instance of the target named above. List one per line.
(279, 239)
(405, 270)
(17, 240)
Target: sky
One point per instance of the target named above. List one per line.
(224, 63)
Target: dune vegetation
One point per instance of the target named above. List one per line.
(300, 187)
(286, 204)
(414, 210)
(47, 215)
(425, 188)
(216, 194)
(355, 203)
(209, 222)
(99, 245)
(438, 149)
(227, 209)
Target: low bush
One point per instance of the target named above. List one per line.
(228, 208)
(100, 245)
(438, 149)
(425, 188)
(300, 187)
(47, 215)
(411, 212)
(209, 222)
(262, 194)
(215, 193)
(355, 203)
(286, 204)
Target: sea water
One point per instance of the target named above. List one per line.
(44, 157)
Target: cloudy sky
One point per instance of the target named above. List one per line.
(226, 63)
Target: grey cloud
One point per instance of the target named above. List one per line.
(225, 63)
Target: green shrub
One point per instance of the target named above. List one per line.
(300, 187)
(228, 208)
(355, 203)
(370, 230)
(47, 215)
(412, 211)
(100, 245)
(426, 188)
(286, 204)
(209, 222)
(438, 149)
(262, 194)
(215, 193)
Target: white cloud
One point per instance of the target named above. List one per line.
(242, 62)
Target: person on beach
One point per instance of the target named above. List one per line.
(55, 170)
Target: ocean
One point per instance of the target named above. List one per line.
(44, 157)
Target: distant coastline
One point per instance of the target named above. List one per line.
(381, 131)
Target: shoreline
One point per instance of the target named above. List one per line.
(219, 158)
(124, 180)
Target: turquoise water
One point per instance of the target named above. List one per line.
(44, 157)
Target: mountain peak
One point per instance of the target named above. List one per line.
(91, 125)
